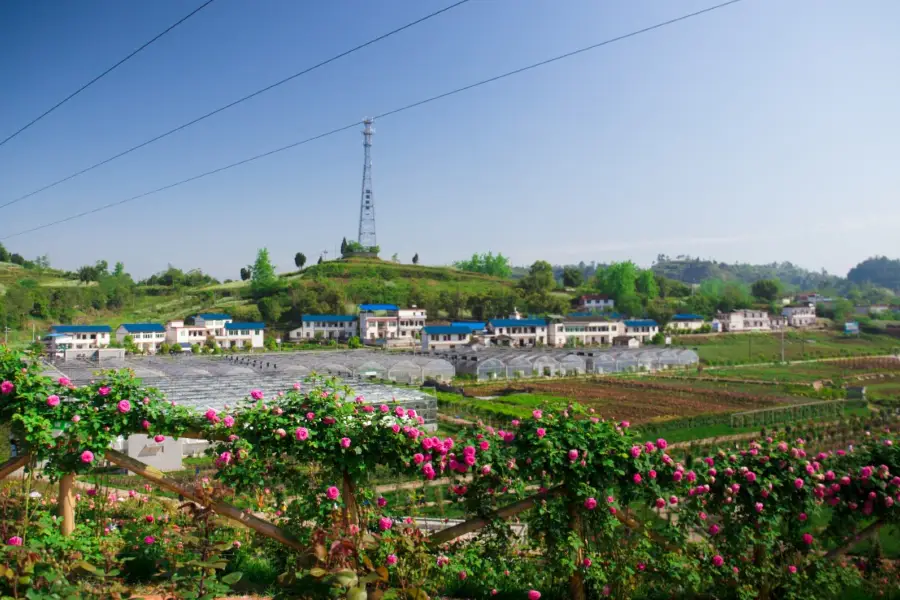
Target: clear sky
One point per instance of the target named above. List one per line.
(765, 131)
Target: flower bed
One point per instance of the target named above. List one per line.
(612, 517)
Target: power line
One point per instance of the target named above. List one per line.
(108, 71)
(235, 103)
(381, 116)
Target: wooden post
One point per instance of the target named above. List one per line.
(13, 465)
(66, 503)
(217, 506)
(576, 579)
(351, 509)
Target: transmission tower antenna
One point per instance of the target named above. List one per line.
(367, 201)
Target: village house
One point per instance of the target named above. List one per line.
(148, 337)
(583, 331)
(519, 332)
(800, 315)
(744, 320)
(328, 327)
(686, 322)
(593, 302)
(241, 335)
(642, 329)
(445, 337)
(218, 327)
(624, 341)
(410, 322)
(77, 337)
(378, 321)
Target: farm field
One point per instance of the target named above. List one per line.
(634, 401)
(846, 369)
(723, 349)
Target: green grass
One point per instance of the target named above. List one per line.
(799, 345)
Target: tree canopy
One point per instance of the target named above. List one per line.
(489, 264)
(263, 278)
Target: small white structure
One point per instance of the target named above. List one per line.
(77, 337)
(625, 341)
(642, 329)
(592, 302)
(800, 316)
(239, 335)
(378, 321)
(445, 337)
(583, 331)
(148, 337)
(745, 320)
(686, 322)
(516, 331)
(328, 327)
(410, 322)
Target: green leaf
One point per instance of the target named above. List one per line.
(88, 567)
(232, 578)
(346, 577)
(318, 573)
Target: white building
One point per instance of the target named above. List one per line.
(77, 337)
(516, 331)
(218, 326)
(445, 337)
(800, 316)
(237, 335)
(592, 302)
(583, 331)
(745, 320)
(410, 322)
(148, 337)
(328, 327)
(641, 329)
(686, 322)
(378, 322)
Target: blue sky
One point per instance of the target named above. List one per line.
(764, 131)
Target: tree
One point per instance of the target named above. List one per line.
(661, 312)
(299, 260)
(395, 258)
(17, 259)
(320, 261)
(344, 247)
(629, 304)
(245, 273)
(263, 278)
(539, 278)
(619, 280)
(119, 269)
(646, 285)
(766, 289)
(416, 258)
(4, 254)
(572, 276)
(488, 264)
(270, 309)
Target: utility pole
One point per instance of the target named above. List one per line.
(782, 343)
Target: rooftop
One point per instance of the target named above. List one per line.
(80, 329)
(447, 330)
(472, 325)
(687, 317)
(518, 322)
(641, 323)
(368, 307)
(143, 327)
(249, 325)
(328, 318)
(214, 316)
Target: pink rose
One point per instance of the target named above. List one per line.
(660, 503)
(573, 455)
(345, 442)
(228, 421)
(76, 418)
(145, 424)
(332, 493)
(392, 559)
(807, 539)
(123, 406)
(149, 540)
(211, 416)
(399, 411)
(159, 439)
(87, 457)
(104, 391)
(301, 433)
(7, 388)
(662, 444)
(798, 483)
(149, 518)
(15, 541)
(717, 560)
(53, 400)
(637, 478)
(541, 432)
(792, 569)
(537, 414)
(534, 595)
(384, 408)
(384, 523)
(256, 394)
(64, 381)
(590, 503)
(382, 501)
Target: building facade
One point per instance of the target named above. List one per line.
(745, 320)
(78, 337)
(518, 332)
(243, 335)
(445, 337)
(594, 302)
(328, 327)
(800, 316)
(218, 327)
(410, 322)
(583, 331)
(148, 337)
(686, 322)
(378, 322)
(641, 329)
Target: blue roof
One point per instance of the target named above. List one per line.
(378, 307)
(641, 323)
(471, 325)
(687, 317)
(81, 329)
(518, 322)
(447, 330)
(214, 316)
(329, 318)
(144, 327)
(233, 325)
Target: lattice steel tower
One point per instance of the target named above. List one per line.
(367, 201)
